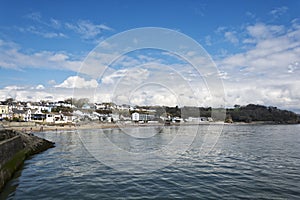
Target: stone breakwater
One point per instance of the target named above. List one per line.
(15, 147)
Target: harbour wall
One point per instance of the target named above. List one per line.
(15, 148)
(9, 147)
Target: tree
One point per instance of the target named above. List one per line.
(69, 100)
(62, 109)
(80, 102)
(254, 112)
(9, 101)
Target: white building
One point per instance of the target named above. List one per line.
(27, 116)
(50, 118)
(141, 117)
(135, 117)
(4, 111)
(115, 117)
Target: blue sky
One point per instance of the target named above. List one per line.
(255, 44)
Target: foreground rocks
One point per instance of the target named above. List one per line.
(15, 148)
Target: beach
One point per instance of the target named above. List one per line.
(29, 128)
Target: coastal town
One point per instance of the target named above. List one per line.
(70, 112)
(79, 112)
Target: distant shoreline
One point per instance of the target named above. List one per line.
(93, 125)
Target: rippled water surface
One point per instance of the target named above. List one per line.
(248, 161)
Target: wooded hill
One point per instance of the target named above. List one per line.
(248, 113)
(253, 112)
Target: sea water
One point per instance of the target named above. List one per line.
(241, 161)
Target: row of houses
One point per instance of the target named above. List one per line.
(35, 115)
(104, 112)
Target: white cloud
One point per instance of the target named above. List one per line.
(77, 82)
(12, 57)
(42, 32)
(273, 53)
(40, 87)
(36, 93)
(277, 12)
(262, 31)
(266, 92)
(268, 71)
(40, 27)
(55, 23)
(97, 64)
(154, 97)
(293, 67)
(55, 28)
(250, 14)
(22, 93)
(231, 37)
(51, 34)
(296, 23)
(208, 40)
(87, 29)
(153, 83)
(52, 82)
(36, 16)
(110, 79)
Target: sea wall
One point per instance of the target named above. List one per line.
(9, 147)
(7, 124)
(14, 149)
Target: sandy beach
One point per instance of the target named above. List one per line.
(91, 125)
(98, 125)
(40, 128)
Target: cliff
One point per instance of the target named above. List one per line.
(15, 148)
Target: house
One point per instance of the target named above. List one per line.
(135, 117)
(27, 116)
(141, 117)
(62, 104)
(18, 115)
(4, 111)
(100, 106)
(115, 117)
(50, 118)
(59, 118)
(37, 115)
(68, 117)
(146, 117)
(39, 106)
(177, 120)
(19, 106)
(198, 119)
(193, 119)
(123, 107)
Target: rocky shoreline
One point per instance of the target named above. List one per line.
(15, 148)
